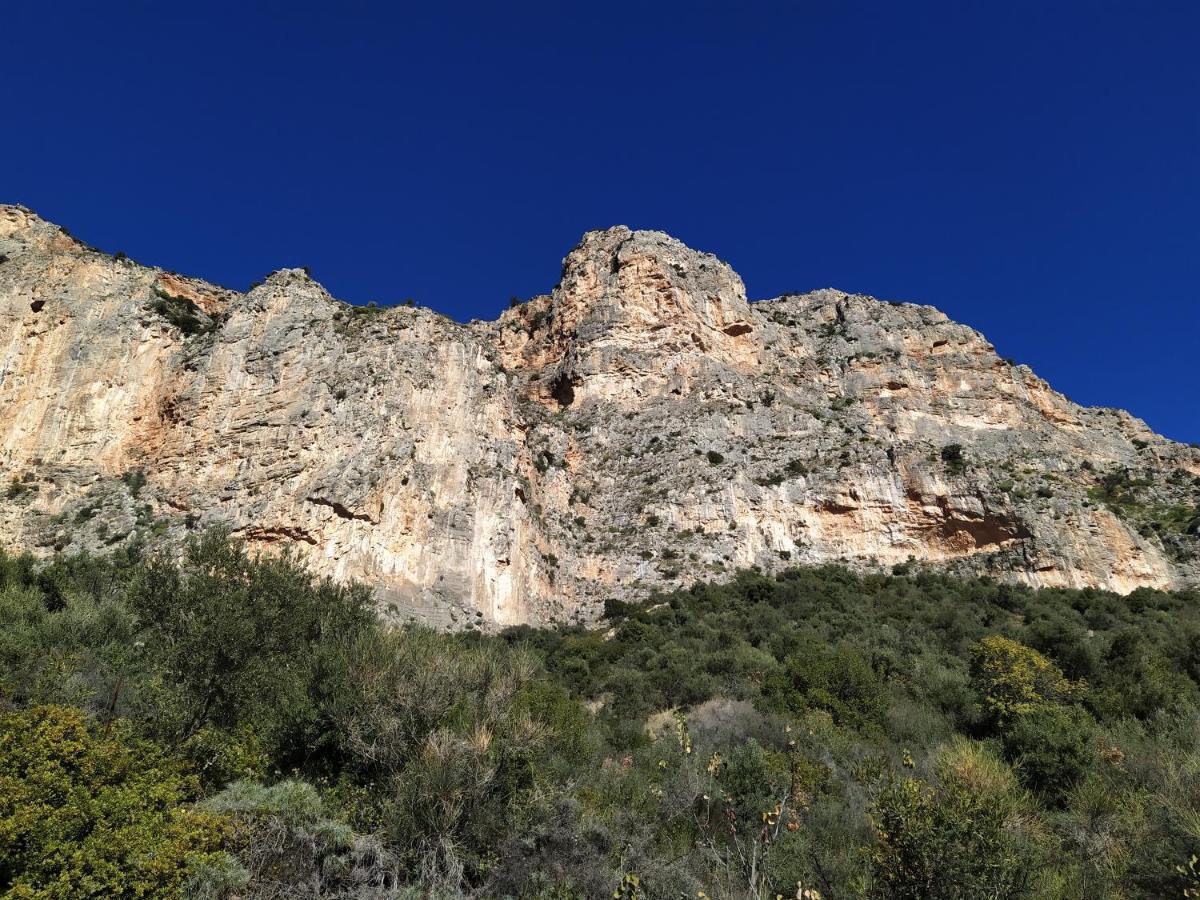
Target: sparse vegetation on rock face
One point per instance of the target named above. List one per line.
(952, 456)
(181, 312)
(443, 463)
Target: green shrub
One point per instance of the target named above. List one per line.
(89, 811)
(134, 480)
(1051, 748)
(837, 680)
(440, 765)
(289, 846)
(968, 836)
(17, 487)
(952, 455)
(244, 643)
(461, 735)
(1012, 679)
(180, 312)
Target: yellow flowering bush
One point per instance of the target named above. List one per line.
(1012, 679)
(88, 811)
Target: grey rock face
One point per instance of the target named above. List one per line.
(641, 426)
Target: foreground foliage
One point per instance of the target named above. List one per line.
(223, 726)
(85, 811)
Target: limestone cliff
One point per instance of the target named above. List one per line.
(641, 426)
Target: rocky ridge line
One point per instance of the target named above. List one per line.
(642, 426)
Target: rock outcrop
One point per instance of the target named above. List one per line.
(641, 426)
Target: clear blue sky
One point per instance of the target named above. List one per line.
(1033, 169)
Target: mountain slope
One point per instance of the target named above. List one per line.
(642, 425)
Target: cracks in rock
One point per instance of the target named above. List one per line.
(614, 265)
(168, 410)
(339, 510)
(274, 534)
(835, 508)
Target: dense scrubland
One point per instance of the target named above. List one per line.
(226, 726)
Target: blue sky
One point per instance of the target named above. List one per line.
(1032, 169)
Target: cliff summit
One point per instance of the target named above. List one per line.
(641, 426)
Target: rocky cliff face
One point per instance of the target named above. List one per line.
(640, 426)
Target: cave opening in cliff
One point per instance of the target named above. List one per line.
(563, 390)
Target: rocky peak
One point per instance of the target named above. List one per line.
(293, 280)
(647, 272)
(21, 228)
(293, 290)
(635, 312)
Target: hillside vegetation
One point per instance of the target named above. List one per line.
(226, 726)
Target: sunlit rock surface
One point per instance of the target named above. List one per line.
(641, 426)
